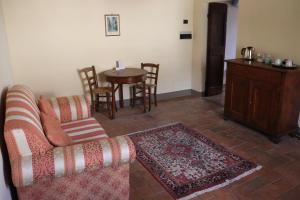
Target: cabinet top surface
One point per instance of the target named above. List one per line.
(241, 61)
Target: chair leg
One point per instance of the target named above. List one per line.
(97, 102)
(93, 107)
(116, 107)
(155, 98)
(133, 96)
(108, 104)
(149, 103)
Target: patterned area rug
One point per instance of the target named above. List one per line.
(186, 163)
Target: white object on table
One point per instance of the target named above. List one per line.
(289, 63)
(119, 65)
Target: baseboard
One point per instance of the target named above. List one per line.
(196, 93)
(171, 95)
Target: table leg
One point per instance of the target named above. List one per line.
(113, 105)
(121, 102)
(144, 96)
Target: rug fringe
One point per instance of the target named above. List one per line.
(227, 182)
(150, 129)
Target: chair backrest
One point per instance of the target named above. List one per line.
(91, 77)
(152, 69)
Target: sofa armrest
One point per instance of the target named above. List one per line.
(71, 108)
(74, 159)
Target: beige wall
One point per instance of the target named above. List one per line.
(50, 40)
(5, 80)
(199, 44)
(271, 26)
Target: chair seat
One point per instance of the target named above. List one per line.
(102, 90)
(84, 130)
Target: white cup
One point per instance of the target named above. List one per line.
(278, 61)
(289, 63)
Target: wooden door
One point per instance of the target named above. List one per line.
(237, 97)
(216, 41)
(264, 105)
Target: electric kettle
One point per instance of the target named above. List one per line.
(248, 53)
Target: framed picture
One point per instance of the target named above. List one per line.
(112, 25)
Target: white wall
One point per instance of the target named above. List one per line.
(231, 35)
(231, 32)
(5, 80)
(50, 40)
(5, 69)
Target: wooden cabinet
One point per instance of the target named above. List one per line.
(238, 97)
(263, 110)
(263, 97)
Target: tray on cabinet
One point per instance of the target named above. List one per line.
(284, 67)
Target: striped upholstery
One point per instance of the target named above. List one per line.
(37, 166)
(23, 130)
(106, 184)
(72, 108)
(66, 161)
(84, 130)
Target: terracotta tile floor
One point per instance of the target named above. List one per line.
(279, 178)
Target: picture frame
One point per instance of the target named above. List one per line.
(112, 25)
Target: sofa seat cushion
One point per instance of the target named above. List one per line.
(84, 130)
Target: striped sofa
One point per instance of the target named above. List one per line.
(94, 166)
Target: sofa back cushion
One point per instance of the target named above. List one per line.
(23, 130)
(54, 132)
(71, 108)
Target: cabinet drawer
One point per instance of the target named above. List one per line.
(255, 73)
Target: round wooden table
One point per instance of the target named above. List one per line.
(125, 76)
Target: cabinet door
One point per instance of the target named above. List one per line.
(263, 105)
(237, 97)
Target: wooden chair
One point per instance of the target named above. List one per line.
(151, 83)
(96, 91)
